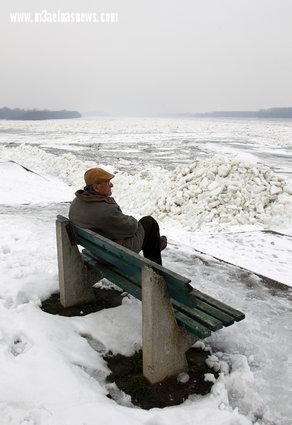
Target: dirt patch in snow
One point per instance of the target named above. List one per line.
(104, 298)
(127, 374)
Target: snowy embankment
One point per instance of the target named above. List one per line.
(52, 368)
(23, 186)
(212, 194)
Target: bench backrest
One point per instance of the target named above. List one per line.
(129, 264)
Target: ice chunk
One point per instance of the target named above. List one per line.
(224, 170)
(275, 190)
(209, 377)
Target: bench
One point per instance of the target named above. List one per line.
(174, 314)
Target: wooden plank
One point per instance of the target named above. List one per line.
(236, 314)
(130, 272)
(114, 277)
(192, 326)
(123, 267)
(205, 319)
(128, 255)
(107, 266)
(214, 312)
(177, 285)
(205, 313)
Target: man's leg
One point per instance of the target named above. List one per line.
(151, 244)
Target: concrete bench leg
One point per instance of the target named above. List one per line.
(164, 343)
(75, 279)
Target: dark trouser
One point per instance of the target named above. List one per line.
(151, 243)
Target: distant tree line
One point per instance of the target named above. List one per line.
(35, 114)
(262, 113)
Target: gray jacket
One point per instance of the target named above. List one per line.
(104, 216)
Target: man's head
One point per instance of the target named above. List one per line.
(99, 180)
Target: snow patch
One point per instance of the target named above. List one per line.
(21, 186)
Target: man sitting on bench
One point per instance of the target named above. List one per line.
(93, 208)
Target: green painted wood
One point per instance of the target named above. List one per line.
(213, 311)
(205, 319)
(236, 314)
(126, 269)
(114, 277)
(123, 267)
(192, 326)
(128, 255)
(130, 272)
(189, 324)
(177, 285)
(204, 303)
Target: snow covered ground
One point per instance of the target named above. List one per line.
(51, 367)
(264, 253)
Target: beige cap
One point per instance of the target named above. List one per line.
(96, 175)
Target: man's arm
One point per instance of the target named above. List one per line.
(119, 225)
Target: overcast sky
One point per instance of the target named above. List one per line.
(161, 56)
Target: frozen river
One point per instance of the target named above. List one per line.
(161, 142)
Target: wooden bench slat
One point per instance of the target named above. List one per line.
(114, 277)
(128, 255)
(123, 267)
(201, 307)
(216, 309)
(125, 253)
(189, 324)
(192, 326)
(214, 312)
(237, 315)
(178, 287)
(205, 319)
(95, 252)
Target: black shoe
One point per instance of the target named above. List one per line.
(163, 242)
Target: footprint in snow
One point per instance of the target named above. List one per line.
(94, 343)
(19, 346)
